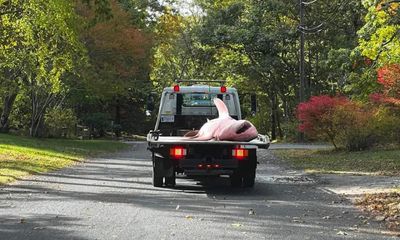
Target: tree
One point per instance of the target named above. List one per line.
(380, 36)
(39, 46)
(256, 43)
(118, 75)
(389, 79)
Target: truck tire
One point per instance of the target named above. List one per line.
(157, 172)
(249, 172)
(236, 180)
(170, 181)
(249, 178)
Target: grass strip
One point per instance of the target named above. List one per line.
(21, 156)
(377, 161)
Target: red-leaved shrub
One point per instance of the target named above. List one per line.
(316, 117)
(339, 120)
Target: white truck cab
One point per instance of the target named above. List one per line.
(185, 108)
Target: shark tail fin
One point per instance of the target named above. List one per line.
(221, 107)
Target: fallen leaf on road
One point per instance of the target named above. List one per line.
(341, 233)
(22, 220)
(177, 207)
(237, 225)
(38, 228)
(298, 221)
(189, 217)
(353, 229)
(327, 217)
(252, 212)
(383, 207)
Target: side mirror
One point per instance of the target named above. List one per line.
(149, 105)
(253, 104)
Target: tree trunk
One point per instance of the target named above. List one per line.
(7, 107)
(117, 118)
(273, 116)
(38, 112)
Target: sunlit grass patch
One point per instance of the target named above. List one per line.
(21, 156)
(376, 161)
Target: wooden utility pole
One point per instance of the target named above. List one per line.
(301, 62)
(301, 65)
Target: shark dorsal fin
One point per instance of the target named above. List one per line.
(221, 107)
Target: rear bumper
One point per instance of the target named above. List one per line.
(193, 163)
(214, 172)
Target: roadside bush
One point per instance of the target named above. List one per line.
(387, 125)
(343, 122)
(387, 101)
(317, 117)
(99, 123)
(289, 130)
(356, 127)
(60, 122)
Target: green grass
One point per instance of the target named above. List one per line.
(21, 156)
(386, 162)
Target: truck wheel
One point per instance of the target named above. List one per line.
(170, 181)
(157, 172)
(249, 173)
(249, 178)
(236, 180)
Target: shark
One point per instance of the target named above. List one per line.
(225, 128)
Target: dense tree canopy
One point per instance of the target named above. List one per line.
(99, 59)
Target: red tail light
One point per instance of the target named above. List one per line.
(177, 152)
(240, 153)
(176, 88)
(223, 89)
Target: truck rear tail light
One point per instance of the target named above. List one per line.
(223, 89)
(176, 88)
(177, 152)
(240, 153)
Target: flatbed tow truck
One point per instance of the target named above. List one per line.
(184, 109)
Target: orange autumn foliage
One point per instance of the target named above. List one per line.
(118, 50)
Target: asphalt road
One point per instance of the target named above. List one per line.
(112, 198)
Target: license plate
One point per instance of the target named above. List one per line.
(168, 118)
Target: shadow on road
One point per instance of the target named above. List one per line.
(271, 208)
(37, 227)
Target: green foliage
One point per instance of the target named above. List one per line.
(261, 122)
(40, 45)
(144, 12)
(99, 122)
(254, 45)
(60, 122)
(290, 131)
(387, 125)
(380, 36)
